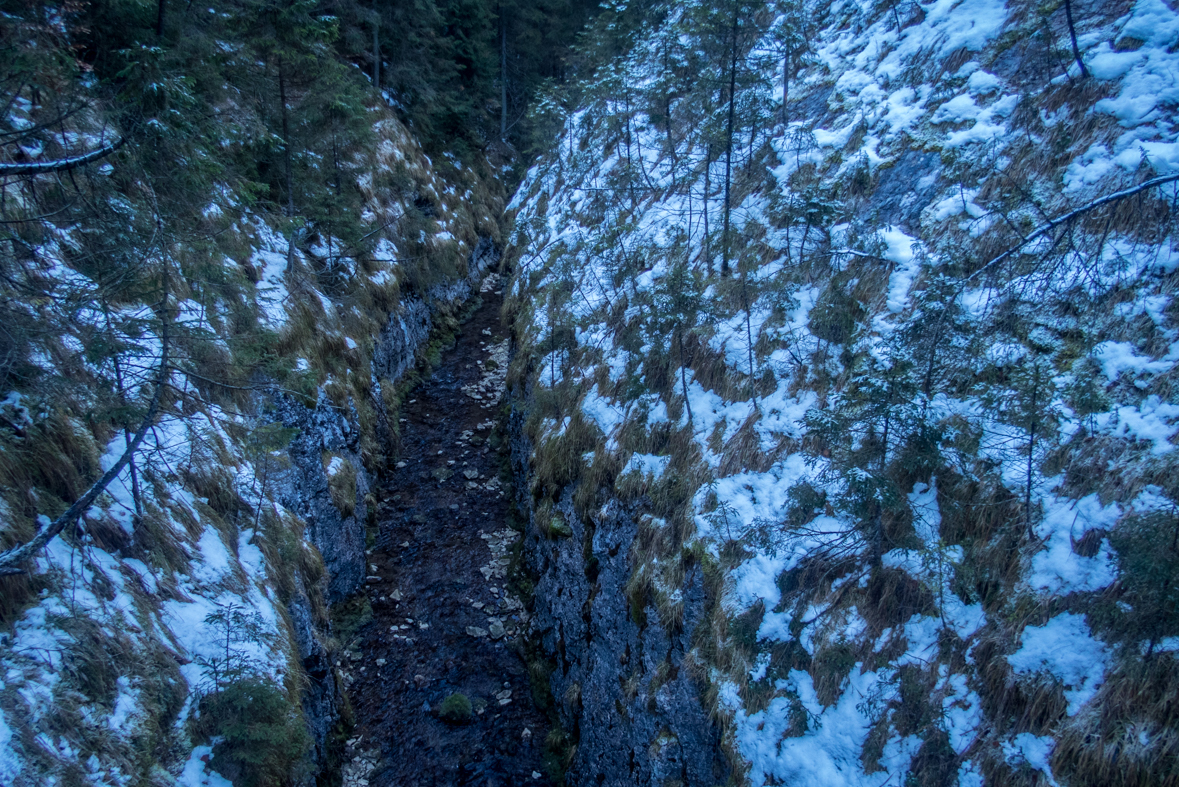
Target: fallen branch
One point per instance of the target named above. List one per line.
(863, 254)
(11, 559)
(59, 165)
(1052, 224)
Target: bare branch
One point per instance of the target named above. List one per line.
(1052, 224)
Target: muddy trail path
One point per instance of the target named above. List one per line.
(443, 621)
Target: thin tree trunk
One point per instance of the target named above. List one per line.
(877, 535)
(707, 192)
(679, 332)
(160, 8)
(286, 138)
(377, 56)
(752, 142)
(1072, 32)
(785, 89)
(503, 79)
(667, 111)
(748, 333)
(729, 149)
(1031, 453)
(122, 391)
(630, 165)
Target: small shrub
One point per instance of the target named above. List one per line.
(455, 709)
(262, 733)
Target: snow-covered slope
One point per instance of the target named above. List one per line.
(894, 360)
(201, 576)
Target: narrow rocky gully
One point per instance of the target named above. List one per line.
(443, 619)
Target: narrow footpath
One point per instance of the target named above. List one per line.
(443, 619)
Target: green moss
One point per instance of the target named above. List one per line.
(559, 528)
(455, 709)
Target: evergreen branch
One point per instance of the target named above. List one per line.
(11, 559)
(60, 165)
(230, 386)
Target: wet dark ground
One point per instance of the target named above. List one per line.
(443, 619)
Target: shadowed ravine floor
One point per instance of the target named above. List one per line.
(443, 620)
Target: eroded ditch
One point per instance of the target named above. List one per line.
(443, 618)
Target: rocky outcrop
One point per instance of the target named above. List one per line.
(327, 431)
(305, 491)
(623, 689)
(321, 693)
(329, 428)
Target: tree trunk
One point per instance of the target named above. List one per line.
(127, 436)
(748, 334)
(752, 142)
(286, 138)
(377, 56)
(785, 88)
(729, 149)
(707, 191)
(1072, 32)
(160, 8)
(1031, 453)
(679, 332)
(503, 78)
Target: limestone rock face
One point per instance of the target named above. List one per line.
(304, 489)
(621, 687)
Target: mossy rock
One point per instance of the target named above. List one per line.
(455, 709)
(558, 528)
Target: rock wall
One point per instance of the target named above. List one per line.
(622, 688)
(304, 486)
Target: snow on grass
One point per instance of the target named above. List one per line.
(646, 465)
(196, 772)
(1064, 648)
(828, 753)
(1036, 751)
(906, 266)
(745, 498)
(710, 412)
(1153, 421)
(10, 763)
(607, 415)
(270, 260)
(1118, 357)
(126, 706)
(962, 711)
(334, 467)
(1059, 569)
(213, 564)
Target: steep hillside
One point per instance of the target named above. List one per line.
(846, 345)
(222, 255)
